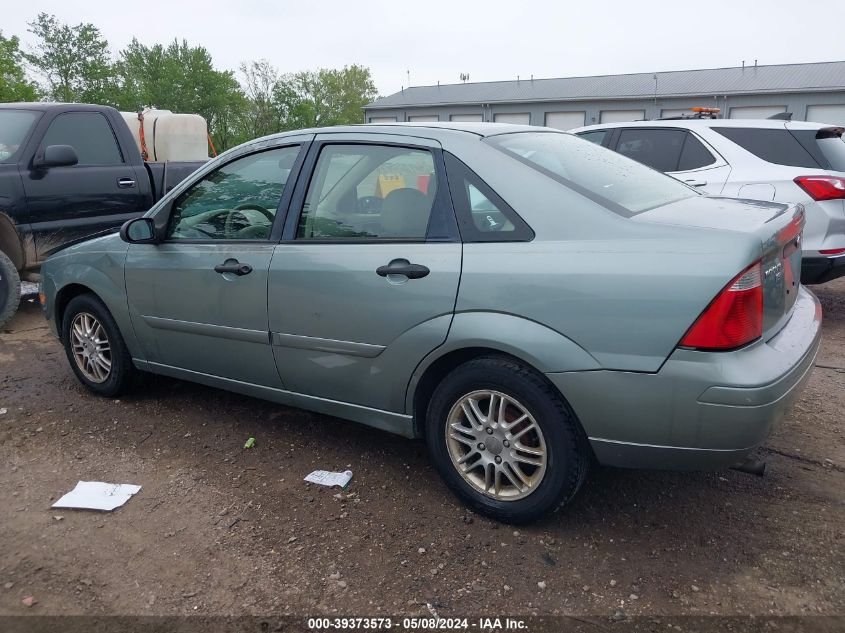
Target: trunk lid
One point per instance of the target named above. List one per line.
(779, 228)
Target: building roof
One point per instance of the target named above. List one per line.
(814, 77)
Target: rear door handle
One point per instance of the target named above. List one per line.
(403, 267)
(696, 183)
(125, 183)
(233, 267)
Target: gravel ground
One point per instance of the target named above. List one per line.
(218, 529)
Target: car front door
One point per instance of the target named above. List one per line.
(100, 192)
(364, 283)
(199, 299)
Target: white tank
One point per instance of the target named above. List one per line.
(170, 136)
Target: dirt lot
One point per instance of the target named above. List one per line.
(218, 529)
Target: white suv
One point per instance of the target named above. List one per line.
(784, 161)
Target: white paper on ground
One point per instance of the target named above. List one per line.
(327, 478)
(96, 495)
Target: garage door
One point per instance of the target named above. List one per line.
(827, 114)
(423, 118)
(565, 120)
(465, 118)
(621, 116)
(756, 112)
(674, 112)
(522, 118)
(382, 119)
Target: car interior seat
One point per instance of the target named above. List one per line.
(405, 213)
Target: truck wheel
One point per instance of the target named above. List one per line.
(10, 289)
(95, 347)
(505, 441)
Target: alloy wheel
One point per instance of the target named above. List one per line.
(90, 346)
(496, 445)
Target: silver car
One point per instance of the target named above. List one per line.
(525, 300)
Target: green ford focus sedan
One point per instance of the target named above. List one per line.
(523, 299)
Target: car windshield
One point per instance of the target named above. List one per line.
(618, 183)
(14, 128)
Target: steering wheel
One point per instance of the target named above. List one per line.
(369, 204)
(255, 207)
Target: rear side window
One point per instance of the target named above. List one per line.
(694, 155)
(482, 215)
(617, 183)
(659, 149)
(825, 145)
(89, 133)
(772, 145)
(596, 136)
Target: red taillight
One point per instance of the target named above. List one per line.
(822, 187)
(734, 317)
(832, 251)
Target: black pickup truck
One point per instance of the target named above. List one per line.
(67, 172)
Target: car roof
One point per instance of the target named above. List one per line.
(773, 124)
(433, 130)
(45, 106)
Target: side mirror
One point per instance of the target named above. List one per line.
(139, 231)
(57, 156)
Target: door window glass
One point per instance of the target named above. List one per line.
(659, 149)
(89, 133)
(694, 155)
(369, 192)
(596, 136)
(238, 201)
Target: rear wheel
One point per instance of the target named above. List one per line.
(505, 441)
(95, 347)
(10, 289)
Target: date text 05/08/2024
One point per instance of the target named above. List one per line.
(485, 624)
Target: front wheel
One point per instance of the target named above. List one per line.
(10, 289)
(505, 441)
(95, 347)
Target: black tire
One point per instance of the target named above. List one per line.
(10, 289)
(122, 370)
(567, 450)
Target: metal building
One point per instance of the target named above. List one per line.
(811, 92)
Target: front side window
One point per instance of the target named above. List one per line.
(369, 192)
(621, 185)
(238, 201)
(89, 133)
(14, 128)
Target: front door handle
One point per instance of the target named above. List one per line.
(696, 183)
(233, 267)
(125, 183)
(403, 267)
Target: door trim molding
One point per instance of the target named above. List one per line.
(208, 329)
(331, 346)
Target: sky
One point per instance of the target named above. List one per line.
(438, 40)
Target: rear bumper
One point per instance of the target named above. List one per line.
(820, 269)
(701, 410)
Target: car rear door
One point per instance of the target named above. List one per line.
(364, 282)
(677, 152)
(199, 299)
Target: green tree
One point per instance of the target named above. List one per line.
(325, 97)
(74, 61)
(262, 113)
(181, 78)
(14, 85)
